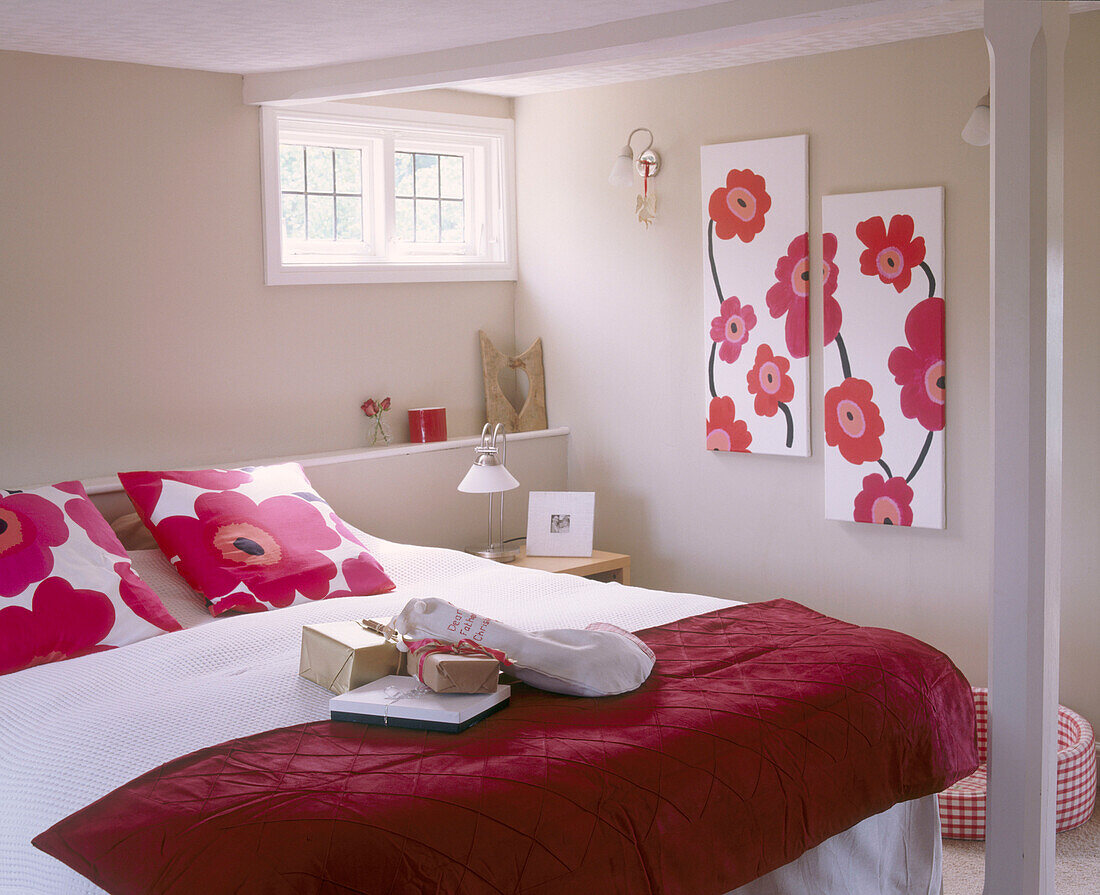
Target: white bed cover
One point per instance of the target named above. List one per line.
(72, 731)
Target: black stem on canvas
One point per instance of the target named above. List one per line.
(845, 366)
(790, 423)
(931, 279)
(710, 370)
(713, 266)
(882, 463)
(920, 459)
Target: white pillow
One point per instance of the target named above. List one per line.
(187, 606)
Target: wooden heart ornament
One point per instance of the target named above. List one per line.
(497, 406)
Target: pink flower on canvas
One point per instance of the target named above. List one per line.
(768, 380)
(738, 208)
(891, 254)
(790, 294)
(832, 315)
(62, 623)
(29, 526)
(884, 501)
(853, 422)
(730, 329)
(724, 431)
(919, 369)
(272, 548)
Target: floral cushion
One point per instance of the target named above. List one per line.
(255, 538)
(66, 585)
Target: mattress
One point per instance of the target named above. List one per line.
(73, 731)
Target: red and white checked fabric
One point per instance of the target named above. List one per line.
(962, 806)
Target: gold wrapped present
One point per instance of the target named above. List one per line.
(341, 656)
(446, 672)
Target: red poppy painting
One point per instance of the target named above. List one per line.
(759, 278)
(885, 360)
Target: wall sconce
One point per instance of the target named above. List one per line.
(490, 476)
(647, 165)
(976, 131)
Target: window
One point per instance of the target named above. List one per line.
(357, 194)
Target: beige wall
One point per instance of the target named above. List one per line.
(137, 329)
(619, 309)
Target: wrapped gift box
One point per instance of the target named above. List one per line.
(341, 656)
(445, 672)
(404, 702)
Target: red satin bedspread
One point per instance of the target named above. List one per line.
(765, 729)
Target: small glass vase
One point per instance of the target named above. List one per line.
(378, 431)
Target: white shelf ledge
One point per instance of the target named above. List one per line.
(110, 483)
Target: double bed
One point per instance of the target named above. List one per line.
(73, 731)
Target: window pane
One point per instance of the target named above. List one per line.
(319, 169)
(427, 220)
(320, 223)
(427, 176)
(450, 176)
(349, 171)
(452, 223)
(349, 217)
(291, 167)
(406, 230)
(294, 216)
(403, 173)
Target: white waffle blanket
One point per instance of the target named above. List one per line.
(73, 731)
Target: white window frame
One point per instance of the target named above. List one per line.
(487, 145)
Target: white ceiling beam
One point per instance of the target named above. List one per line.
(714, 26)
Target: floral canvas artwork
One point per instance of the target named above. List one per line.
(885, 377)
(756, 285)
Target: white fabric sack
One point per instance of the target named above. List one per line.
(601, 660)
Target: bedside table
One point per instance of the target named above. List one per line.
(600, 566)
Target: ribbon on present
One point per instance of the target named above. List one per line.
(431, 645)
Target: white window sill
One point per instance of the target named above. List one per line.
(433, 272)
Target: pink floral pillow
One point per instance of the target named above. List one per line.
(66, 584)
(255, 538)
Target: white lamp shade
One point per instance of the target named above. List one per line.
(976, 131)
(622, 172)
(488, 479)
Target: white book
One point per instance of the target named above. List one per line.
(401, 701)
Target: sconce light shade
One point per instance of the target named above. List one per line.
(648, 163)
(976, 131)
(487, 476)
(622, 172)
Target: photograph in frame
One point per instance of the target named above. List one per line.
(559, 523)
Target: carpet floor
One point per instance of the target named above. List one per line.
(1076, 868)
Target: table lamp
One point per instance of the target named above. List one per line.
(490, 476)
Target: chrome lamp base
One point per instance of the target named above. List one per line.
(497, 552)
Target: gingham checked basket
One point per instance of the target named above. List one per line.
(962, 806)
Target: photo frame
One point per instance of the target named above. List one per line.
(559, 523)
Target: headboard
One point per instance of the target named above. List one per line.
(408, 492)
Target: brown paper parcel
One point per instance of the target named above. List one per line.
(448, 673)
(341, 656)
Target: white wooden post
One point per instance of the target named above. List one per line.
(1026, 45)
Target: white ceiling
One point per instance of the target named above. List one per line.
(532, 46)
(246, 36)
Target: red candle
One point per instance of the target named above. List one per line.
(428, 424)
